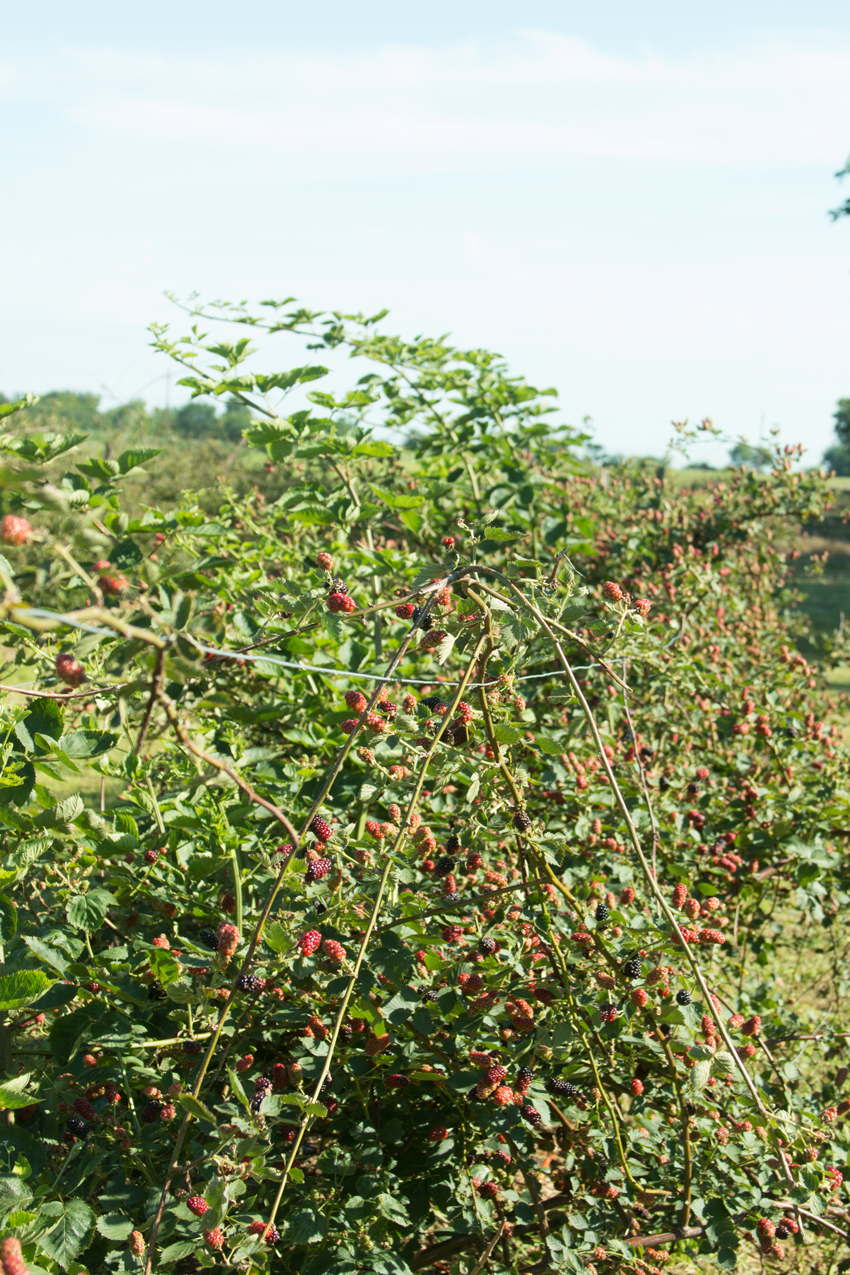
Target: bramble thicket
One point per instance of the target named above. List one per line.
(434, 862)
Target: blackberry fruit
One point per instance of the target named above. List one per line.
(486, 946)
(426, 624)
(782, 1232)
(533, 1117)
(690, 1108)
(250, 983)
(315, 871)
(345, 1033)
(452, 843)
(522, 821)
(525, 1077)
(602, 913)
(663, 783)
(432, 702)
(454, 897)
(192, 1046)
(150, 1111)
(156, 991)
(558, 1087)
(631, 968)
(321, 828)
(77, 1127)
(209, 938)
(683, 997)
(431, 997)
(444, 866)
(257, 1102)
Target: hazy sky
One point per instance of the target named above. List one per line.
(629, 202)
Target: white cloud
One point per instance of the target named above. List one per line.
(542, 99)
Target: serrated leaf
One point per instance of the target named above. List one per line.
(505, 734)
(86, 911)
(44, 952)
(114, 1226)
(275, 936)
(21, 989)
(71, 1234)
(12, 1095)
(196, 1108)
(397, 500)
(136, 456)
(698, 1076)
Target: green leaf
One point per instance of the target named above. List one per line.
(8, 919)
(44, 952)
(505, 734)
(12, 1095)
(275, 936)
(396, 500)
(21, 989)
(86, 911)
(196, 1108)
(306, 1226)
(165, 966)
(87, 743)
(177, 1251)
(114, 1226)
(136, 456)
(72, 1233)
(549, 746)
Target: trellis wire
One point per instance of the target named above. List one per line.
(269, 658)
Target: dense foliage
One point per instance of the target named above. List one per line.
(423, 865)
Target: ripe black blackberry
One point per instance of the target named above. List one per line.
(209, 938)
(524, 1077)
(522, 821)
(690, 1108)
(321, 828)
(602, 913)
(486, 946)
(444, 866)
(150, 1111)
(338, 586)
(430, 701)
(156, 991)
(631, 967)
(192, 1046)
(326, 1084)
(683, 997)
(431, 997)
(345, 1033)
(317, 870)
(257, 1102)
(663, 783)
(533, 1117)
(453, 843)
(250, 983)
(782, 1232)
(77, 1127)
(558, 1087)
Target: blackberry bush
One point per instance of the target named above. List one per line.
(610, 711)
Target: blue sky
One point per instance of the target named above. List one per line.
(629, 202)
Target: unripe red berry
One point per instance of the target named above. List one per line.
(137, 1244)
(449, 542)
(69, 670)
(310, 942)
(639, 997)
(14, 530)
(636, 1087)
(112, 586)
(321, 829)
(355, 700)
(333, 950)
(214, 1239)
(612, 591)
(679, 895)
(325, 561)
(151, 856)
(341, 602)
(404, 611)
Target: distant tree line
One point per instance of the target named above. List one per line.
(68, 410)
